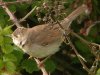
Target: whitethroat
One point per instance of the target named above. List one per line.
(44, 40)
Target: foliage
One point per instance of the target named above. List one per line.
(29, 66)
(98, 72)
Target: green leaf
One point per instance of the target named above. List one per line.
(7, 48)
(37, 3)
(83, 49)
(29, 65)
(1, 39)
(7, 40)
(18, 54)
(50, 66)
(70, 1)
(7, 30)
(12, 8)
(1, 64)
(4, 73)
(2, 21)
(89, 38)
(2, 12)
(93, 31)
(97, 39)
(9, 57)
(23, 7)
(81, 46)
(98, 72)
(75, 60)
(10, 66)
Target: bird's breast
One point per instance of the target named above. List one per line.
(41, 51)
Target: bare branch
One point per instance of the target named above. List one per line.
(78, 55)
(79, 37)
(23, 19)
(12, 17)
(90, 27)
(41, 67)
(14, 2)
(68, 21)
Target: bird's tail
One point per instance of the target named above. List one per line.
(67, 21)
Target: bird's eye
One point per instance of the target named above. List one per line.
(17, 36)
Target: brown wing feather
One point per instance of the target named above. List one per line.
(48, 36)
(44, 34)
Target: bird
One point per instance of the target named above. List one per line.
(43, 40)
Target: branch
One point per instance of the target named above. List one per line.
(12, 17)
(68, 21)
(14, 2)
(41, 67)
(90, 27)
(79, 37)
(23, 19)
(90, 44)
(78, 55)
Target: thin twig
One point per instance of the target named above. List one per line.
(12, 17)
(23, 19)
(90, 44)
(84, 40)
(71, 44)
(68, 20)
(79, 37)
(14, 2)
(90, 27)
(78, 55)
(94, 66)
(41, 67)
